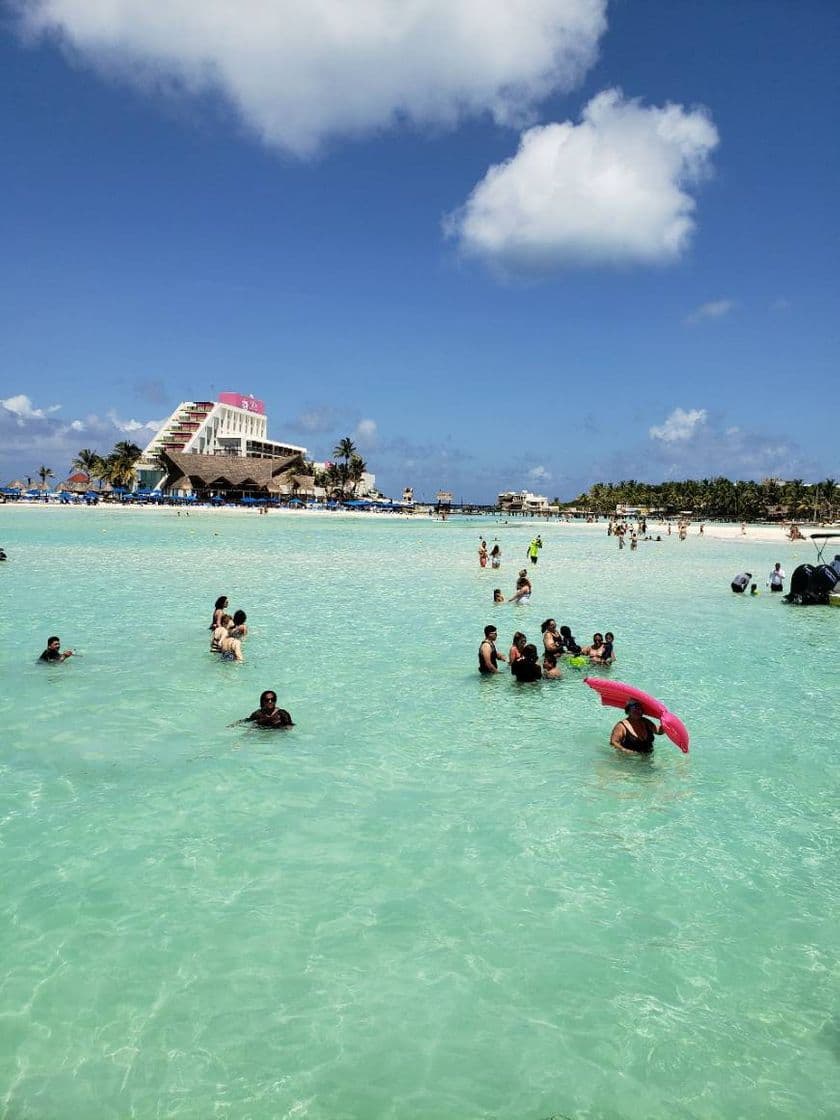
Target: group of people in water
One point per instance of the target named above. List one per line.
(493, 556)
(775, 581)
(227, 631)
(558, 644)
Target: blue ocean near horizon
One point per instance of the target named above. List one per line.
(438, 896)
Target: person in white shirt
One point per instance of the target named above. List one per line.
(776, 579)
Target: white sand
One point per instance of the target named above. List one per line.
(715, 530)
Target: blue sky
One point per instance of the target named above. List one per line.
(533, 245)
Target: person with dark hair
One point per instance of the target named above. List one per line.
(741, 582)
(527, 669)
(604, 654)
(776, 579)
(495, 557)
(550, 670)
(569, 643)
(488, 655)
(498, 597)
(516, 647)
(54, 652)
(218, 610)
(239, 629)
(594, 651)
(551, 640)
(268, 714)
(634, 734)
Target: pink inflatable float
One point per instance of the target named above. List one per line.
(615, 694)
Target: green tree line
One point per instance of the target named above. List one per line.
(768, 500)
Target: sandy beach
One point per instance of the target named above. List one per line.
(713, 530)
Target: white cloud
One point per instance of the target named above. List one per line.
(680, 425)
(300, 72)
(609, 189)
(714, 309)
(22, 407)
(29, 433)
(365, 433)
(130, 426)
(539, 474)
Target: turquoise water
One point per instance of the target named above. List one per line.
(439, 896)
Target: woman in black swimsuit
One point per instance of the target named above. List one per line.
(635, 733)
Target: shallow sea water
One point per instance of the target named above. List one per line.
(439, 896)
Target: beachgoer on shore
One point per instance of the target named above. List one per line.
(527, 668)
(741, 582)
(54, 652)
(634, 734)
(268, 714)
(776, 579)
(488, 655)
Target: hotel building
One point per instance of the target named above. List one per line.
(201, 447)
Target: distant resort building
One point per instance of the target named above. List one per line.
(222, 448)
(408, 496)
(523, 501)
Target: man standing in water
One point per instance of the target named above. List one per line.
(776, 579)
(534, 549)
(488, 655)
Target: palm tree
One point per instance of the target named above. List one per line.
(88, 461)
(355, 469)
(345, 449)
(118, 467)
(44, 473)
(828, 487)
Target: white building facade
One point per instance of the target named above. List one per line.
(232, 425)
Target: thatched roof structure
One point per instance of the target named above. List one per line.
(78, 483)
(228, 472)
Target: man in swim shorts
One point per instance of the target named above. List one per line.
(54, 652)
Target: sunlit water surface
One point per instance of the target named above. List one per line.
(438, 896)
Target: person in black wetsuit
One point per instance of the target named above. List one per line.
(527, 669)
(635, 733)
